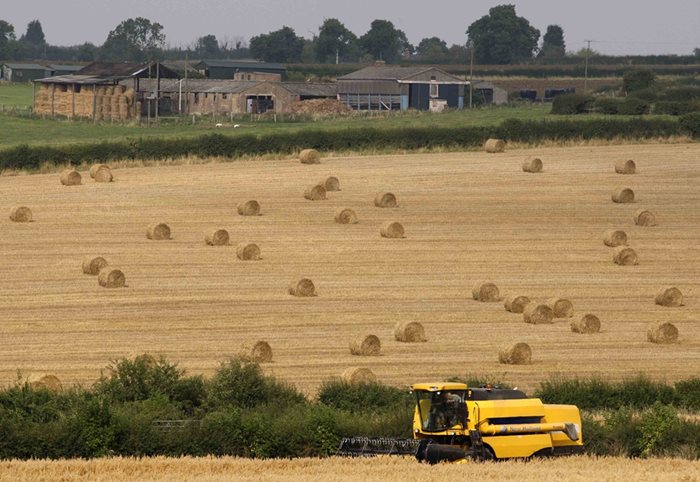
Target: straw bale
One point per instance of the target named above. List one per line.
(315, 193)
(249, 208)
(70, 177)
(93, 264)
(310, 156)
(494, 145)
(486, 292)
(588, 324)
(345, 216)
(517, 354)
(385, 200)
(615, 238)
(366, 346)
(623, 196)
(537, 314)
(21, 214)
(625, 166)
(260, 352)
(625, 256)
(248, 251)
(95, 167)
(302, 288)
(358, 375)
(663, 333)
(331, 183)
(516, 303)
(392, 229)
(409, 332)
(104, 175)
(218, 237)
(644, 218)
(532, 164)
(111, 278)
(561, 307)
(158, 231)
(44, 381)
(669, 296)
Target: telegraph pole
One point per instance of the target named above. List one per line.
(585, 68)
(471, 71)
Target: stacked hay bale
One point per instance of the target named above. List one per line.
(218, 237)
(392, 230)
(21, 214)
(310, 156)
(517, 354)
(532, 164)
(669, 296)
(623, 196)
(70, 177)
(385, 200)
(663, 333)
(92, 265)
(561, 307)
(368, 345)
(587, 324)
(494, 145)
(625, 167)
(158, 232)
(486, 292)
(302, 288)
(644, 217)
(358, 375)
(615, 238)
(345, 216)
(107, 104)
(409, 332)
(516, 303)
(248, 251)
(537, 314)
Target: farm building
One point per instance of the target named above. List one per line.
(59, 69)
(489, 93)
(23, 72)
(241, 70)
(382, 87)
(95, 92)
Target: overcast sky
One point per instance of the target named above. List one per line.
(616, 27)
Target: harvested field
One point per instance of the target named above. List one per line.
(471, 216)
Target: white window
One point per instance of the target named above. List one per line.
(434, 90)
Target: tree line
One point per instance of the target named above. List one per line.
(500, 37)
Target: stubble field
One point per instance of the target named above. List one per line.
(468, 217)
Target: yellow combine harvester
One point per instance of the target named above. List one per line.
(453, 422)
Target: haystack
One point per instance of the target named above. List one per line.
(615, 238)
(111, 278)
(623, 196)
(96, 167)
(409, 332)
(644, 218)
(248, 251)
(538, 314)
(625, 167)
(516, 303)
(302, 288)
(392, 230)
(218, 237)
(260, 352)
(345, 216)
(93, 264)
(70, 177)
(103, 175)
(43, 381)
(366, 346)
(358, 375)
(385, 200)
(532, 164)
(158, 231)
(587, 324)
(669, 296)
(494, 145)
(310, 156)
(561, 307)
(331, 183)
(315, 193)
(486, 292)
(249, 208)
(517, 354)
(625, 256)
(663, 333)
(21, 214)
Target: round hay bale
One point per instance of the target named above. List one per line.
(218, 237)
(409, 332)
(623, 196)
(625, 256)
(625, 167)
(93, 264)
(331, 183)
(669, 296)
(248, 252)
(43, 381)
(358, 375)
(615, 238)
(315, 193)
(260, 352)
(561, 307)
(103, 175)
(345, 216)
(249, 208)
(644, 218)
(587, 324)
(310, 156)
(21, 214)
(366, 346)
(494, 145)
(392, 230)
(385, 200)
(96, 167)
(538, 314)
(516, 303)
(302, 288)
(517, 354)
(663, 333)
(486, 292)
(532, 164)
(158, 231)
(70, 177)
(111, 278)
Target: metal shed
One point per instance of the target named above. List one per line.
(241, 70)
(23, 72)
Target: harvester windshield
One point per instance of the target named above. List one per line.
(441, 410)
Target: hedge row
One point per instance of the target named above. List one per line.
(231, 146)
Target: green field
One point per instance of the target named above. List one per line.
(15, 95)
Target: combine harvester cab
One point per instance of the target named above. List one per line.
(453, 422)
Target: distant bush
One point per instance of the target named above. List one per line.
(681, 94)
(691, 123)
(363, 397)
(672, 107)
(633, 106)
(607, 105)
(572, 104)
(648, 95)
(637, 79)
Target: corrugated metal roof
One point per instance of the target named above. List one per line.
(124, 70)
(240, 64)
(74, 79)
(391, 73)
(69, 68)
(26, 66)
(197, 85)
(316, 89)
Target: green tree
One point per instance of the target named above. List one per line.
(135, 39)
(7, 35)
(501, 37)
(334, 38)
(638, 79)
(207, 46)
(553, 42)
(282, 45)
(34, 34)
(385, 42)
(432, 49)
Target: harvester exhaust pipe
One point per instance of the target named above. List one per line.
(569, 429)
